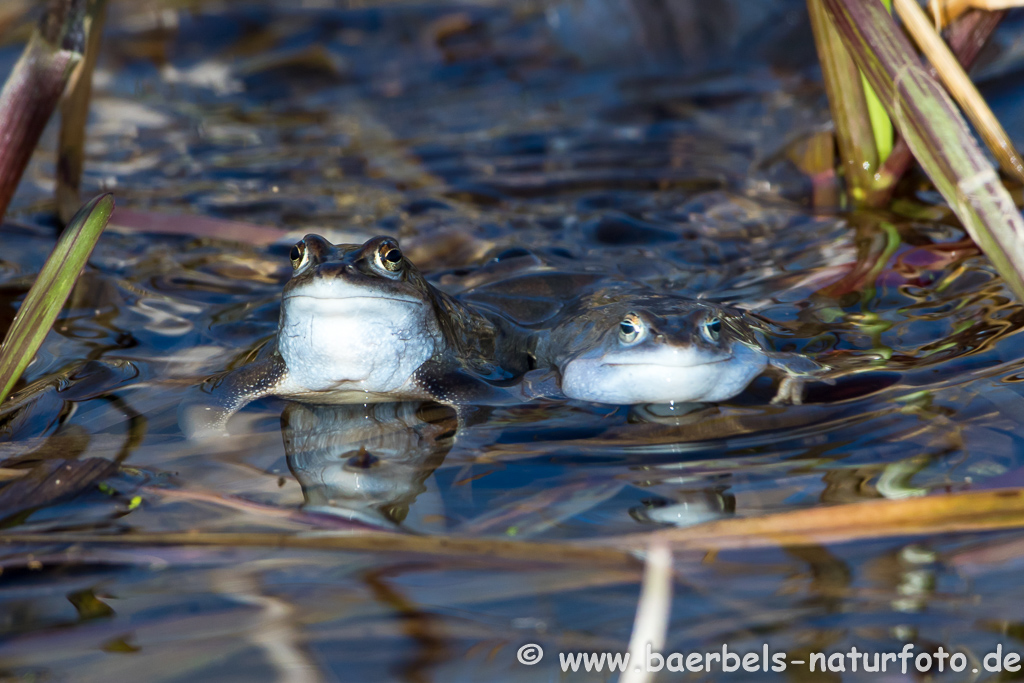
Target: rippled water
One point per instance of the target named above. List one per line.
(470, 131)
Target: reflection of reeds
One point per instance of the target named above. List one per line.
(650, 626)
(964, 511)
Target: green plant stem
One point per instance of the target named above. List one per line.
(935, 132)
(966, 36)
(955, 78)
(857, 150)
(43, 302)
(881, 126)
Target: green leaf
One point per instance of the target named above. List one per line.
(51, 290)
(881, 126)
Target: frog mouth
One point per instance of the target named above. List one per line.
(667, 358)
(374, 297)
(655, 364)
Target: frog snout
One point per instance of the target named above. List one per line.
(333, 270)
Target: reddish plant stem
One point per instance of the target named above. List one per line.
(74, 115)
(34, 87)
(969, 34)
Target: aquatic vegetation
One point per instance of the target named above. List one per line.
(936, 133)
(29, 96)
(50, 290)
(35, 85)
(499, 145)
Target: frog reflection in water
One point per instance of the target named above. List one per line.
(359, 324)
(367, 463)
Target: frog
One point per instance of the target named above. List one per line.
(630, 347)
(603, 337)
(360, 324)
(600, 336)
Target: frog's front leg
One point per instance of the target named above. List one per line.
(795, 371)
(791, 390)
(206, 410)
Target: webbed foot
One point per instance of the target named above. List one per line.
(795, 372)
(790, 391)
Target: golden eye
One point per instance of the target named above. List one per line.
(630, 328)
(298, 255)
(711, 329)
(390, 257)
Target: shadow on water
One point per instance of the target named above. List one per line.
(489, 135)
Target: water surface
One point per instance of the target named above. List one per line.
(471, 131)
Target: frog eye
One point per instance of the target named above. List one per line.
(390, 257)
(630, 328)
(711, 329)
(298, 255)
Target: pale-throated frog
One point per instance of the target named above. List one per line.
(612, 340)
(628, 348)
(359, 324)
